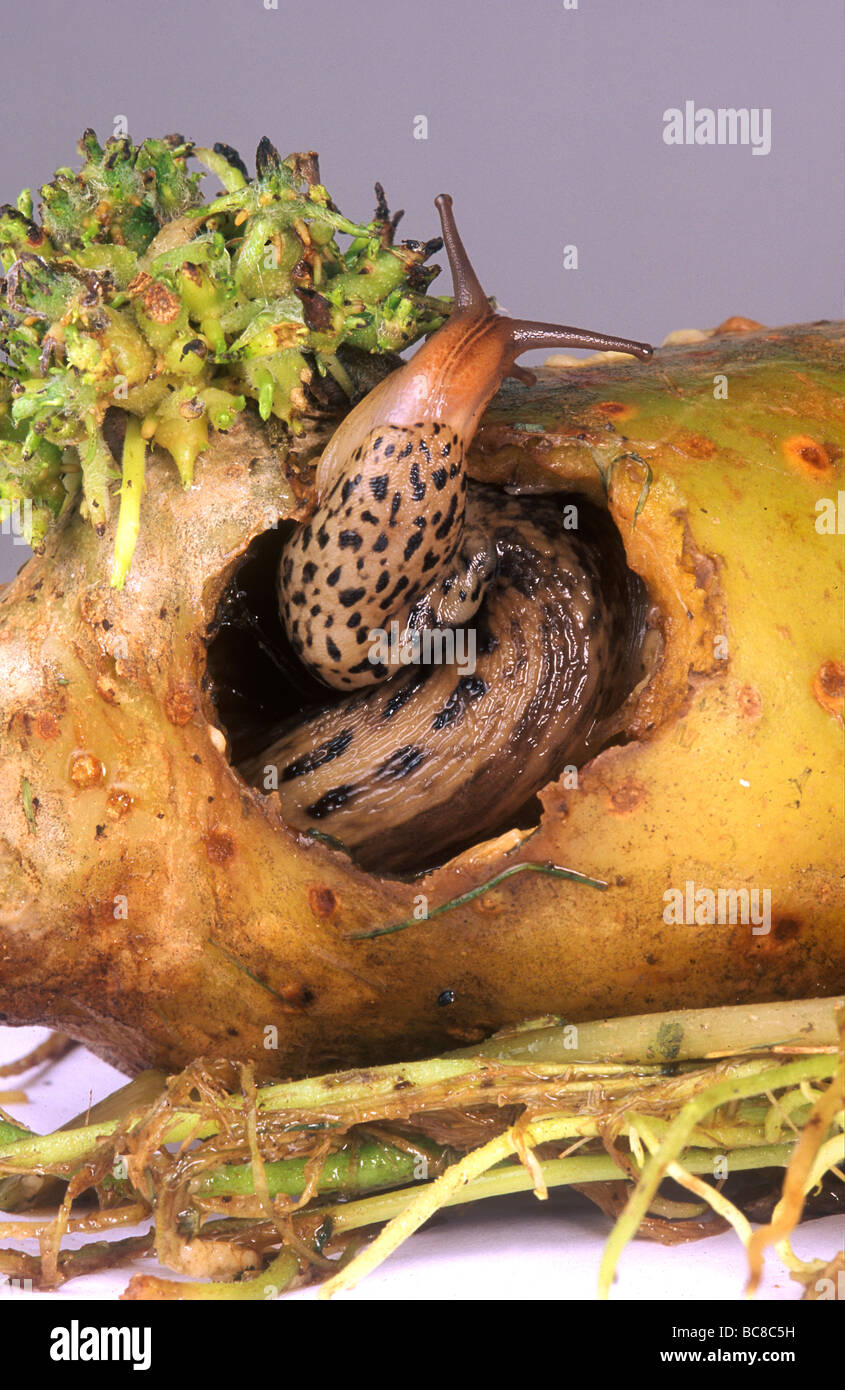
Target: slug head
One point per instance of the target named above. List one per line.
(459, 369)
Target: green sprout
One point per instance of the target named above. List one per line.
(134, 293)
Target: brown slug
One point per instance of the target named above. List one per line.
(417, 760)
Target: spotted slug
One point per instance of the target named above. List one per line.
(418, 759)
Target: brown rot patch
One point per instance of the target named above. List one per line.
(468, 1035)
(86, 770)
(296, 995)
(829, 688)
(490, 903)
(179, 705)
(219, 847)
(750, 702)
(628, 796)
(617, 411)
(695, 446)
(321, 900)
(46, 726)
(97, 914)
(785, 929)
(766, 950)
(738, 324)
(807, 455)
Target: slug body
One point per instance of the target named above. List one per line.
(388, 541)
(415, 761)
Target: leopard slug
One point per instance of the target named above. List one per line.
(415, 761)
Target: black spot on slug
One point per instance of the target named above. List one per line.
(377, 667)
(414, 543)
(400, 763)
(309, 762)
(468, 688)
(446, 524)
(473, 687)
(417, 483)
(402, 696)
(331, 801)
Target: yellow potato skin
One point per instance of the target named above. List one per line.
(154, 906)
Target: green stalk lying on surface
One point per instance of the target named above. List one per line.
(297, 1167)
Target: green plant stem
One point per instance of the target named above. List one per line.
(682, 1035)
(11, 1133)
(508, 1178)
(368, 1167)
(325, 1095)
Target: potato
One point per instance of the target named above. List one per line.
(157, 908)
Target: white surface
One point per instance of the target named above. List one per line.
(511, 1248)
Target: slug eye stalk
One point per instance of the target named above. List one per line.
(520, 334)
(456, 373)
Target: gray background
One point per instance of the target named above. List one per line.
(545, 123)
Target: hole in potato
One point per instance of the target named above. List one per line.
(262, 691)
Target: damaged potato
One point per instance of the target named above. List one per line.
(163, 894)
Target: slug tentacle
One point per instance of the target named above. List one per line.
(399, 544)
(527, 333)
(465, 282)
